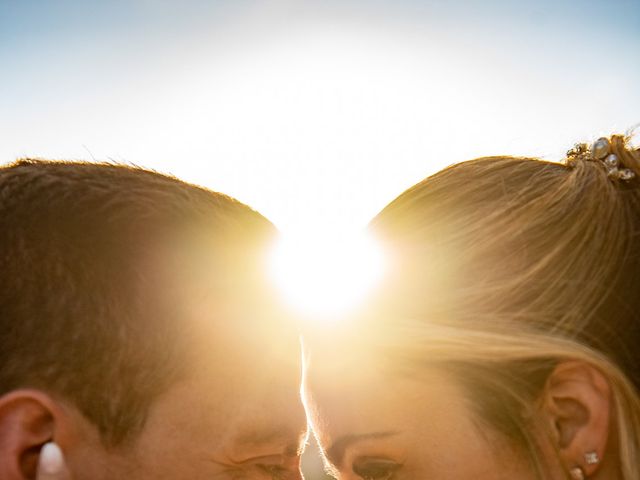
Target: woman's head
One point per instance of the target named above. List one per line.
(515, 282)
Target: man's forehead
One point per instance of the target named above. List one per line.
(221, 410)
(248, 373)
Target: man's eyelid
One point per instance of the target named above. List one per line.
(272, 459)
(263, 454)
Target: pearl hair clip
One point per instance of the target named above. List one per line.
(601, 151)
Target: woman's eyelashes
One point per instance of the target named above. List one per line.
(375, 468)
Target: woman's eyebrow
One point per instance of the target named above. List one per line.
(335, 452)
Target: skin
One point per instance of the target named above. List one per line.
(379, 420)
(237, 418)
(376, 426)
(237, 414)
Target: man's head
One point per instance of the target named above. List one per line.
(136, 328)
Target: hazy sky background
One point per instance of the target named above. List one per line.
(317, 113)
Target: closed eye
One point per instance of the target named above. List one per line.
(277, 472)
(375, 468)
(278, 467)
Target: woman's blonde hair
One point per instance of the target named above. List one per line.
(504, 267)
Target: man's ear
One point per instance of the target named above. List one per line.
(577, 404)
(28, 420)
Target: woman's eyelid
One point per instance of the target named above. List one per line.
(393, 454)
(375, 467)
(378, 461)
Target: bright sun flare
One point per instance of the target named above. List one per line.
(326, 276)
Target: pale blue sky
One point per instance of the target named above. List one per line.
(312, 112)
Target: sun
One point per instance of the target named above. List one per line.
(326, 276)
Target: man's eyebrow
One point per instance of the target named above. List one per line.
(289, 439)
(336, 451)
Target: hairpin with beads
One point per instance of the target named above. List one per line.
(600, 151)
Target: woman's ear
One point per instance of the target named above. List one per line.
(577, 404)
(28, 420)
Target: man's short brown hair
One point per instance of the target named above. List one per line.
(75, 319)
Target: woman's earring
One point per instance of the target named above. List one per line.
(591, 458)
(576, 473)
